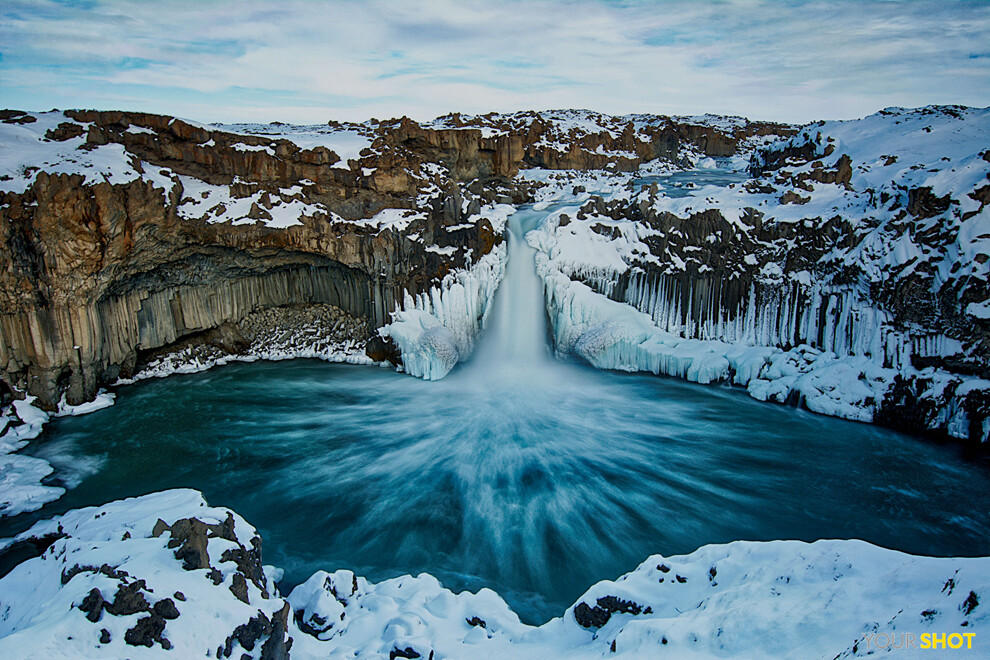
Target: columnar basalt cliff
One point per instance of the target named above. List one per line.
(102, 265)
(855, 252)
(125, 232)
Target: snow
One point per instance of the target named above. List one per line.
(42, 618)
(253, 147)
(829, 598)
(347, 143)
(446, 251)
(497, 216)
(395, 219)
(979, 310)
(285, 346)
(24, 150)
(21, 489)
(102, 400)
(216, 205)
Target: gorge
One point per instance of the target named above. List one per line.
(839, 267)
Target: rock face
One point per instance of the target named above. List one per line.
(125, 232)
(859, 247)
(97, 271)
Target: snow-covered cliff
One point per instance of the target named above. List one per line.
(847, 269)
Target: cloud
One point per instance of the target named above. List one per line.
(311, 61)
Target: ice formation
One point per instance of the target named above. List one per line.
(21, 487)
(437, 328)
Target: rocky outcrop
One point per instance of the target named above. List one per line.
(125, 232)
(96, 273)
(861, 244)
(584, 140)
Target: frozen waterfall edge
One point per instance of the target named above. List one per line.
(436, 329)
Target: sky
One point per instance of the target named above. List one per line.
(307, 61)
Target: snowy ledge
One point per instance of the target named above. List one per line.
(166, 575)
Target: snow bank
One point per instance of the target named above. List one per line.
(50, 609)
(21, 487)
(141, 578)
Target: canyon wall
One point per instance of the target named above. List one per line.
(856, 253)
(125, 232)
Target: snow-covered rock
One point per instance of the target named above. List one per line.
(855, 250)
(166, 575)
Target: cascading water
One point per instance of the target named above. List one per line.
(516, 337)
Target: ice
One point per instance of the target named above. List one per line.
(613, 335)
(429, 350)
(102, 400)
(437, 328)
(21, 489)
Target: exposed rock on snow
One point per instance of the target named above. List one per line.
(139, 577)
(165, 575)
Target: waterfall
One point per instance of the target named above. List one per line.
(516, 337)
(437, 329)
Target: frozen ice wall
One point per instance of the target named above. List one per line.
(436, 329)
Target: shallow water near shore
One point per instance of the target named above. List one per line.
(534, 486)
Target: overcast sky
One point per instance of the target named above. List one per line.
(309, 61)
